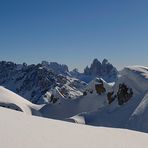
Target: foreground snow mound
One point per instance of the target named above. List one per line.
(13, 101)
(21, 131)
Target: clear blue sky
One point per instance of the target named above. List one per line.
(74, 32)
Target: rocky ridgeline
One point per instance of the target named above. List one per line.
(123, 93)
(37, 82)
(34, 81)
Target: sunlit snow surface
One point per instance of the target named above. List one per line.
(18, 130)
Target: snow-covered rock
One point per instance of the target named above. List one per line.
(34, 82)
(133, 113)
(86, 103)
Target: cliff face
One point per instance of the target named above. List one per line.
(100, 69)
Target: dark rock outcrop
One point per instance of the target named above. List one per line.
(99, 69)
(124, 94)
(103, 70)
(100, 87)
(111, 97)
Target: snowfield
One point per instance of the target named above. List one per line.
(18, 130)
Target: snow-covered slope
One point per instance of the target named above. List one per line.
(68, 108)
(20, 131)
(94, 108)
(139, 118)
(92, 101)
(131, 114)
(10, 100)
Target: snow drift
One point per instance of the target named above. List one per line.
(10, 100)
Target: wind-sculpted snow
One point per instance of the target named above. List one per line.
(13, 101)
(139, 76)
(139, 119)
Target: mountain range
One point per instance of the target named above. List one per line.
(37, 82)
(59, 94)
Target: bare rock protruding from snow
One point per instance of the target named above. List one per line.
(99, 86)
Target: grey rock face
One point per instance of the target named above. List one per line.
(55, 67)
(104, 70)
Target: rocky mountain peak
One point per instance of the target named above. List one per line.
(56, 67)
(100, 69)
(105, 61)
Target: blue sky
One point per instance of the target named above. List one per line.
(74, 32)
